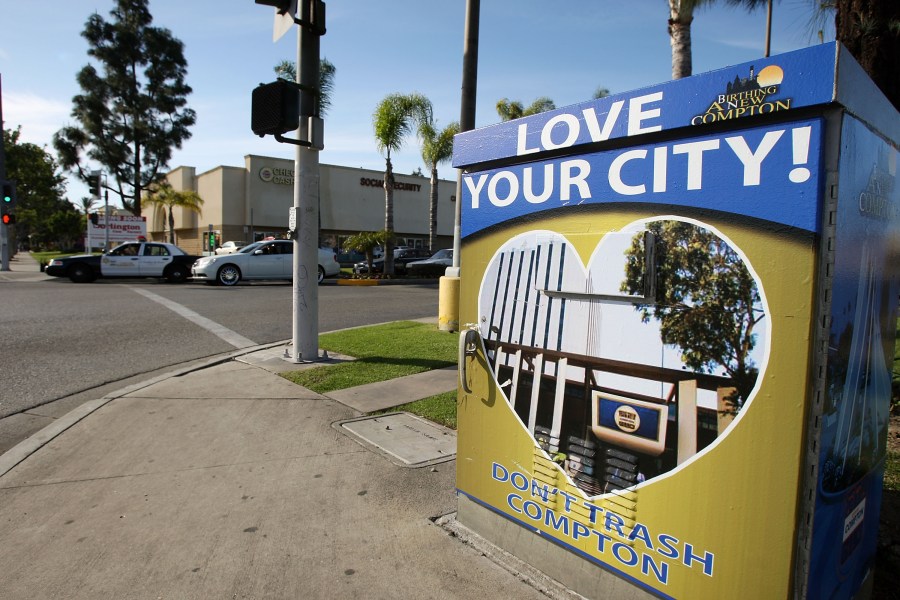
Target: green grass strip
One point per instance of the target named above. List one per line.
(382, 352)
(440, 409)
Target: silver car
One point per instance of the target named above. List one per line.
(270, 259)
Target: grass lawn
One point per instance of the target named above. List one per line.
(385, 352)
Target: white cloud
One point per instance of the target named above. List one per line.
(39, 117)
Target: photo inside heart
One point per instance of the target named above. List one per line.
(632, 365)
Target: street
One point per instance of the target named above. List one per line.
(66, 343)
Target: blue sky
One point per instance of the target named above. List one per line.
(564, 50)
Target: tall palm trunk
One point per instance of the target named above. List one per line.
(680, 39)
(171, 224)
(389, 216)
(432, 209)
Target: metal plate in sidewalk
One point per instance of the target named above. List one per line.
(405, 439)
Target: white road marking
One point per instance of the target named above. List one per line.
(233, 338)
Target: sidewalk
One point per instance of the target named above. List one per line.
(231, 482)
(23, 267)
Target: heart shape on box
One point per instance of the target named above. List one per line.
(624, 369)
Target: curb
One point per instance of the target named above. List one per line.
(357, 282)
(368, 282)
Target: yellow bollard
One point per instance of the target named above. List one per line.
(448, 304)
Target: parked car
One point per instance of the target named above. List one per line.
(268, 259)
(401, 259)
(229, 247)
(431, 267)
(131, 259)
(349, 259)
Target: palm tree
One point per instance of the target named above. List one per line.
(870, 29)
(681, 14)
(437, 147)
(513, 109)
(163, 196)
(87, 204)
(366, 242)
(287, 69)
(394, 119)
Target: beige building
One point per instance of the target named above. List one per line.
(253, 202)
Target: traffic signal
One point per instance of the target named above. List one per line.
(275, 108)
(9, 194)
(212, 242)
(8, 202)
(93, 181)
(95, 218)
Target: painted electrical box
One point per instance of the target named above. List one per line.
(681, 306)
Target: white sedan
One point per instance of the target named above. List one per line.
(270, 259)
(229, 247)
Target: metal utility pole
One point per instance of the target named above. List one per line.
(306, 189)
(280, 107)
(4, 230)
(467, 105)
(448, 292)
(106, 218)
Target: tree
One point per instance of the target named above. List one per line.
(437, 147)
(707, 302)
(132, 110)
(163, 196)
(870, 29)
(287, 70)
(366, 242)
(601, 92)
(87, 204)
(39, 191)
(681, 15)
(65, 227)
(394, 118)
(513, 109)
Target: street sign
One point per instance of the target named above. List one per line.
(283, 21)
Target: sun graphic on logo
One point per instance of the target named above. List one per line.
(771, 75)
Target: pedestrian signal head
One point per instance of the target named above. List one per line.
(275, 108)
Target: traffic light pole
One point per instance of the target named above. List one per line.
(448, 298)
(278, 108)
(305, 293)
(4, 230)
(106, 218)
